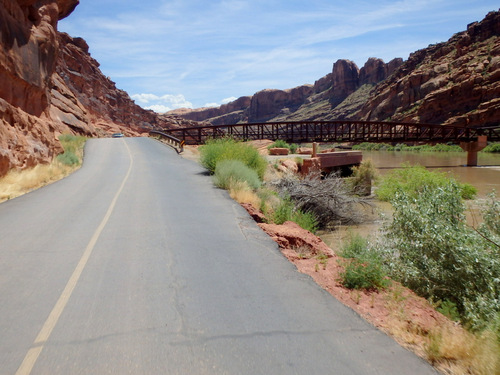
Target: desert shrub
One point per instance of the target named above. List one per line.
(216, 150)
(283, 212)
(331, 200)
(283, 144)
(494, 147)
(363, 176)
(279, 143)
(286, 211)
(440, 147)
(68, 158)
(372, 146)
(229, 172)
(413, 179)
(491, 215)
(431, 250)
(73, 146)
(363, 266)
(306, 220)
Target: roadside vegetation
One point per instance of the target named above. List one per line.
(427, 246)
(412, 179)
(493, 147)
(17, 183)
(283, 144)
(440, 147)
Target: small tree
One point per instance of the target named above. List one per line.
(431, 250)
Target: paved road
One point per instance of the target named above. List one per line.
(136, 264)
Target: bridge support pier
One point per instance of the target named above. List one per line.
(473, 148)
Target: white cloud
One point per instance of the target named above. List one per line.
(162, 103)
(238, 47)
(213, 105)
(158, 108)
(228, 100)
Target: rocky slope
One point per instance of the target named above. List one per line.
(49, 85)
(455, 82)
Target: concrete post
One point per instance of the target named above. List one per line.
(473, 148)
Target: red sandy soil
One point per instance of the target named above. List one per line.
(395, 310)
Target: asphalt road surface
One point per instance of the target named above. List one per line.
(136, 264)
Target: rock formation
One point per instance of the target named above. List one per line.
(272, 104)
(456, 82)
(28, 54)
(49, 85)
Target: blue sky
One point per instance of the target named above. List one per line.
(192, 53)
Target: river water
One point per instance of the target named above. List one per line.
(485, 177)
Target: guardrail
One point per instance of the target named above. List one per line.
(172, 141)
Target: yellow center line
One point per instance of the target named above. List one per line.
(44, 334)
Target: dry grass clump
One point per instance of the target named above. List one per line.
(242, 193)
(455, 350)
(17, 183)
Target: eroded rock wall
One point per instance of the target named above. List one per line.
(50, 84)
(28, 54)
(456, 82)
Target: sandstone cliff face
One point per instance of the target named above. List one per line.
(456, 82)
(49, 85)
(28, 55)
(272, 104)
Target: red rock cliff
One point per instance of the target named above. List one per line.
(456, 82)
(49, 85)
(28, 52)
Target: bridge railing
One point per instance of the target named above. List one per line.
(336, 131)
(172, 141)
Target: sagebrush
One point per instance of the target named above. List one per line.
(216, 150)
(230, 172)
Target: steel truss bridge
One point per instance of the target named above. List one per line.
(337, 131)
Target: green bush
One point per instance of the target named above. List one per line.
(216, 150)
(431, 250)
(372, 146)
(363, 266)
(279, 143)
(72, 145)
(305, 220)
(286, 211)
(68, 158)
(440, 147)
(227, 172)
(283, 144)
(362, 178)
(491, 215)
(413, 179)
(494, 147)
(293, 148)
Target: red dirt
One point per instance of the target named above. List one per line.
(396, 310)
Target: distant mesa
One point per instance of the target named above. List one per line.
(455, 83)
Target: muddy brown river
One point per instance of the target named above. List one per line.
(485, 177)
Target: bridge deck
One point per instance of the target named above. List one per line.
(337, 131)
